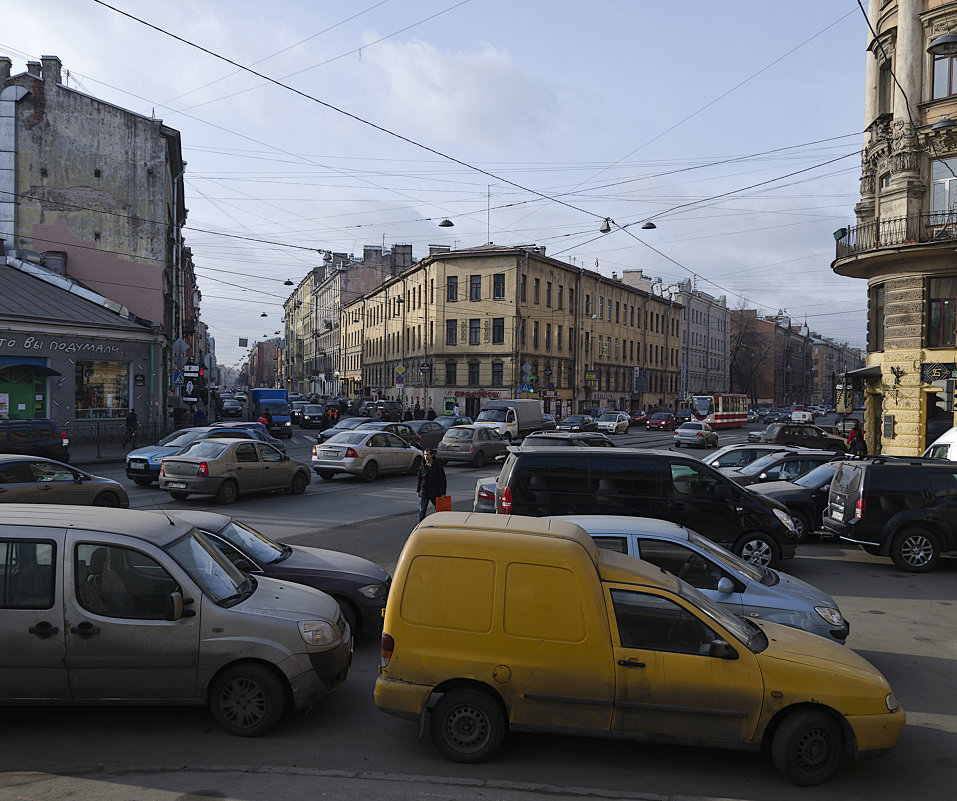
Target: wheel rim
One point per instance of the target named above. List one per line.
(813, 749)
(107, 500)
(757, 552)
(917, 550)
(228, 492)
(243, 703)
(466, 728)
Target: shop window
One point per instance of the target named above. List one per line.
(942, 312)
(102, 389)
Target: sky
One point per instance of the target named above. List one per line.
(736, 127)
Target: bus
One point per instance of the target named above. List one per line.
(721, 411)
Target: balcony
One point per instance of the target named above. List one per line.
(916, 229)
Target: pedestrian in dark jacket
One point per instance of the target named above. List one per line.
(431, 483)
(417, 412)
(430, 414)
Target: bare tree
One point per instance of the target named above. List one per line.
(749, 351)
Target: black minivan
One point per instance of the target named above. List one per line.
(646, 483)
(34, 437)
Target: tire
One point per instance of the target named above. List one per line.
(803, 526)
(142, 482)
(807, 747)
(507, 437)
(178, 496)
(415, 466)
(247, 700)
(479, 460)
(873, 550)
(326, 475)
(677, 444)
(299, 483)
(109, 499)
(228, 492)
(915, 550)
(370, 471)
(467, 725)
(758, 549)
(350, 614)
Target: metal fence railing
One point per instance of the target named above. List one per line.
(915, 229)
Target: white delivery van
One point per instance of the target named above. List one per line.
(944, 447)
(512, 418)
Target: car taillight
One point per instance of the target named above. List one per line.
(162, 473)
(507, 501)
(700, 434)
(66, 439)
(485, 495)
(203, 471)
(315, 450)
(351, 454)
(859, 509)
(388, 646)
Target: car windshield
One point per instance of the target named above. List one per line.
(276, 408)
(206, 448)
(702, 405)
(254, 543)
(347, 438)
(743, 629)
(818, 477)
(179, 439)
(491, 416)
(458, 433)
(660, 416)
(608, 418)
(312, 409)
(573, 418)
(216, 576)
(760, 465)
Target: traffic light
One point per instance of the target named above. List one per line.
(947, 388)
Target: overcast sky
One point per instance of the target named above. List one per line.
(736, 126)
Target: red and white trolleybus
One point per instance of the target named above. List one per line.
(721, 411)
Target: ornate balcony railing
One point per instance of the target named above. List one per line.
(915, 229)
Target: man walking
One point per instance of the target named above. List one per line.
(131, 425)
(431, 484)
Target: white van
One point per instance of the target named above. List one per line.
(114, 606)
(944, 447)
(802, 417)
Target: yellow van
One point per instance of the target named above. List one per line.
(518, 623)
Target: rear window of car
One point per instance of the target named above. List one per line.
(207, 449)
(458, 433)
(348, 438)
(690, 427)
(847, 479)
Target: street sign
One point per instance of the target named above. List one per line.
(178, 379)
(189, 387)
(425, 368)
(191, 368)
(526, 368)
(399, 380)
(399, 369)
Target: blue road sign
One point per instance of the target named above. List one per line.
(178, 378)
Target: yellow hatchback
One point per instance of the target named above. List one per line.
(523, 624)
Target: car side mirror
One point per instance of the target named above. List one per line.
(763, 476)
(725, 585)
(721, 650)
(174, 606)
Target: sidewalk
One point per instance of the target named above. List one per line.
(93, 454)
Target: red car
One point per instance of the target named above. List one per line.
(663, 421)
(638, 418)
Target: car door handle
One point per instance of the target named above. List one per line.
(85, 629)
(43, 630)
(630, 663)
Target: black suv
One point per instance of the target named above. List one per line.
(555, 439)
(645, 483)
(899, 507)
(40, 437)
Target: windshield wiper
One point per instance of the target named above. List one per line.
(247, 588)
(284, 554)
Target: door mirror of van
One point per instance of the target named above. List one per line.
(725, 585)
(721, 650)
(174, 606)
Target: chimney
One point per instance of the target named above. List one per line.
(6, 65)
(52, 69)
(33, 68)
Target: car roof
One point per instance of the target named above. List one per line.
(622, 524)
(209, 521)
(158, 528)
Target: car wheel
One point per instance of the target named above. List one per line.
(807, 747)
(326, 475)
(873, 550)
(370, 471)
(228, 492)
(178, 496)
(677, 444)
(915, 550)
(758, 549)
(467, 725)
(803, 525)
(107, 499)
(350, 614)
(479, 460)
(415, 466)
(142, 482)
(299, 483)
(247, 700)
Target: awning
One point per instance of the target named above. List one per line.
(864, 373)
(37, 368)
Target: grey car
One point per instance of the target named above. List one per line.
(696, 435)
(739, 455)
(365, 454)
(473, 444)
(33, 479)
(429, 430)
(227, 468)
(741, 587)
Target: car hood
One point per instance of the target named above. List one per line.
(290, 600)
(787, 644)
(782, 491)
(304, 559)
(153, 450)
(795, 587)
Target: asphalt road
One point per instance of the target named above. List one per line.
(347, 749)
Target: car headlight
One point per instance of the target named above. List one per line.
(318, 632)
(156, 459)
(375, 590)
(288, 423)
(830, 614)
(892, 703)
(785, 518)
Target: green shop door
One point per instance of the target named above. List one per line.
(23, 391)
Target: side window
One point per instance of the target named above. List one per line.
(691, 480)
(27, 569)
(46, 472)
(393, 441)
(269, 454)
(658, 624)
(682, 562)
(119, 582)
(791, 470)
(246, 453)
(943, 484)
(16, 473)
(612, 543)
(483, 435)
(379, 441)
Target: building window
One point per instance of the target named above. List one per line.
(943, 189)
(450, 378)
(561, 292)
(588, 305)
(102, 389)
(535, 286)
(452, 291)
(473, 374)
(498, 286)
(601, 309)
(942, 319)
(498, 374)
(548, 336)
(522, 285)
(451, 327)
(475, 287)
(475, 331)
(945, 76)
(535, 334)
(498, 330)
(548, 294)
(558, 338)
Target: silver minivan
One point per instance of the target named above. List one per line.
(114, 606)
(740, 587)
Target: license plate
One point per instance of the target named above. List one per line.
(175, 485)
(329, 453)
(137, 465)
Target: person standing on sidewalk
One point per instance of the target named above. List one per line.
(131, 425)
(431, 484)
